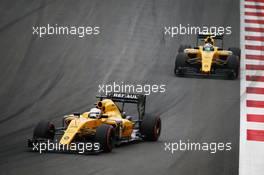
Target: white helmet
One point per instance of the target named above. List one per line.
(95, 113)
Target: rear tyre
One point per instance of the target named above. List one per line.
(44, 130)
(105, 137)
(183, 47)
(151, 127)
(233, 66)
(180, 63)
(236, 51)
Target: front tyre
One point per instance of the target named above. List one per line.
(44, 130)
(233, 66)
(151, 127)
(236, 51)
(105, 137)
(183, 47)
(180, 64)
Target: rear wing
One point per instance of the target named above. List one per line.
(219, 37)
(124, 97)
(139, 99)
(205, 35)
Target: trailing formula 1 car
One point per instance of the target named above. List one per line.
(106, 125)
(207, 58)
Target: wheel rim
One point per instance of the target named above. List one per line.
(157, 129)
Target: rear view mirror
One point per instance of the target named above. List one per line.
(77, 114)
(104, 116)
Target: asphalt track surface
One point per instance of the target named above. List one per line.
(45, 78)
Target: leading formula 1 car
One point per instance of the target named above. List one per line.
(106, 124)
(207, 58)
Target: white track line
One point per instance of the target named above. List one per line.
(254, 3)
(255, 126)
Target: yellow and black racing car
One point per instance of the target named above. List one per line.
(106, 124)
(208, 59)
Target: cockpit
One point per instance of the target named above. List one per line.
(208, 47)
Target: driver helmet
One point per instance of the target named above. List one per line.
(208, 47)
(95, 113)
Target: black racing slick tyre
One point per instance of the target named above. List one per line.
(151, 127)
(183, 47)
(105, 137)
(236, 51)
(180, 63)
(44, 130)
(233, 66)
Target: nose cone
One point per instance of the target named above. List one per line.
(207, 59)
(206, 67)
